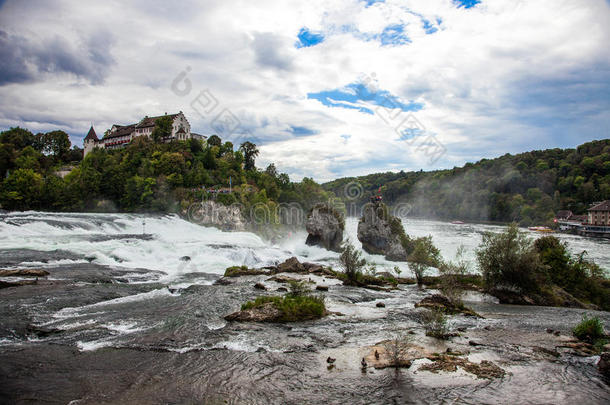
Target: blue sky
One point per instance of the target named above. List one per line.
(326, 89)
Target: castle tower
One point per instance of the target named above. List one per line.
(91, 141)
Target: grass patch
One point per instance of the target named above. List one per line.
(293, 308)
(236, 271)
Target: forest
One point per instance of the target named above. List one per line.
(147, 176)
(527, 188)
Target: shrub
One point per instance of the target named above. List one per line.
(397, 347)
(452, 274)
(424, 255)
(297, 288)
(589, 329)
(352, 262)
(509, 260)
(435, 323)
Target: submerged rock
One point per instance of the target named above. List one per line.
(448, 363)
(441, 303)
(264, 313)
(24, 273)
(381, 233)
(325, 227)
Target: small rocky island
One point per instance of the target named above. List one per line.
(382, 233)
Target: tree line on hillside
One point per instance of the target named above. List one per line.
(148, 175)
(527, 188)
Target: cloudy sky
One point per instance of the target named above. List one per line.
(325, 88)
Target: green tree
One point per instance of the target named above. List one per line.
(214, 140)
(508, 260)
(163, 129)
(22, 190)
(250, 152)
(423, 256)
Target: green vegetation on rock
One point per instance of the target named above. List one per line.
(292, 308)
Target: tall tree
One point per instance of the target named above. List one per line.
(250, 152)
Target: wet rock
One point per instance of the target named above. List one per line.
(461, 329)
(24, 273)
(264, 313)
(282, 289)
(7, 284)
(281, 279)
(603, 365)
(185, 259)
(441, 303)
(549, 330)
(238, 271)
(260, 286)
(557, 333)
(485, 369)
(544, 350)
(222, 281)
(291, 265)
(473, 343)
(322, 287)
(381, 233)
(380, 305)
(580, 348)
(325, 227)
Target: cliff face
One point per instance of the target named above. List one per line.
(381, 233)
(211, 213)
(325, 227)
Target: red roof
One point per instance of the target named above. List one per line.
(602, 206)
(91, 136)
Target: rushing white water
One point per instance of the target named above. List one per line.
(115, 240)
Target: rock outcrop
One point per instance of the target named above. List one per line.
(381, 233)
(325, 226)
(211, 213)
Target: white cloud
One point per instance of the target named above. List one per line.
(492, 79)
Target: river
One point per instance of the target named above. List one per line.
(130, 314)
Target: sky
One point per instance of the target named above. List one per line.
(326, 89)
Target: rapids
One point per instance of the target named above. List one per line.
(124, 317)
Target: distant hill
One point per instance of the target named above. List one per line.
(527, 188)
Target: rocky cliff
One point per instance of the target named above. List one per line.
(211, 213)
(325, 226)
(381, 233)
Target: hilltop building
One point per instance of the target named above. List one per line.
(118, 136)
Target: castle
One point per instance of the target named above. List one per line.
(120, 135)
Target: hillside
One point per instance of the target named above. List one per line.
(527, 188)
(146, 176)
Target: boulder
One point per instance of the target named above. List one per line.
(325, 227)
(291, 265)
(322, 287)
(381, 233)
(211, 213)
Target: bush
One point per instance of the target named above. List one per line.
(509, 260)
(424, 255)
(589, 329)
(435, 323)
(451, 276)
(293, 309)
(352, 262)
(397, 347)
(297, 288)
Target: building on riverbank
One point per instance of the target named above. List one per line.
(119, 136)
(598, 220)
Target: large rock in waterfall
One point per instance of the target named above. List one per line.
(325, 226)
(381, 233)
(211, 213)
